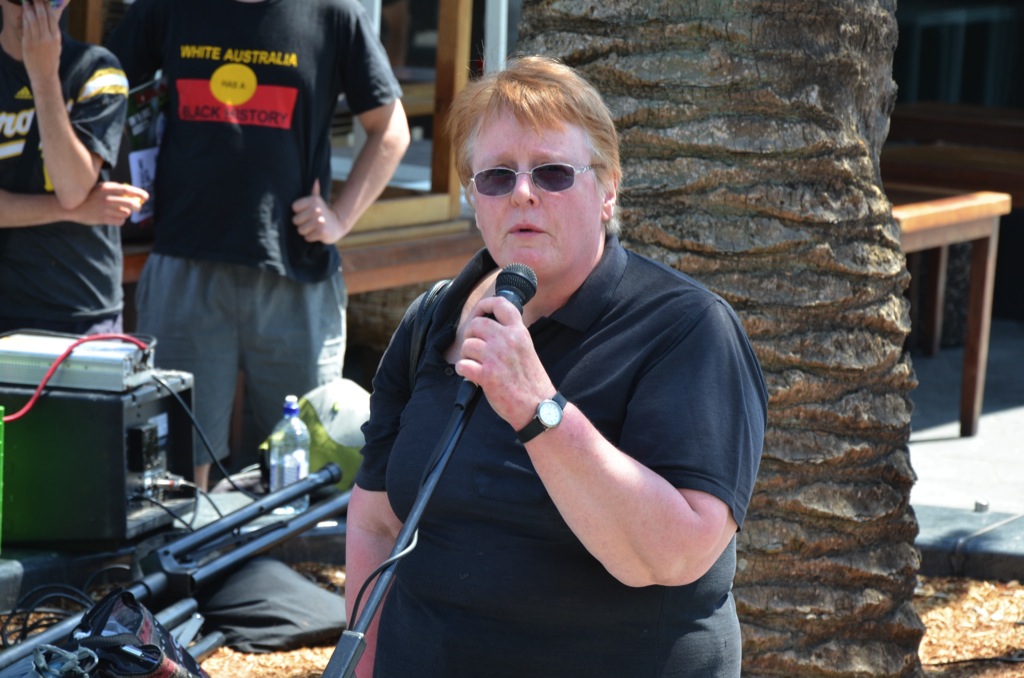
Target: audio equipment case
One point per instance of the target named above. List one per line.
(78, 468)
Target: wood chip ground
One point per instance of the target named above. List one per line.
(974, 629)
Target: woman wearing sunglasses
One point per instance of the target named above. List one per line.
(62, 111)
(585, 524)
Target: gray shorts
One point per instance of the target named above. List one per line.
(214, 320)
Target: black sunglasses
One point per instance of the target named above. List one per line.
(553, 178)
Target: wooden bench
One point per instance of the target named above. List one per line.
(930, 220)
(956, 149)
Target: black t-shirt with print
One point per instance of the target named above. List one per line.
(60, 272)
(253, 88)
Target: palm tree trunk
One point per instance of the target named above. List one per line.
(751, 132)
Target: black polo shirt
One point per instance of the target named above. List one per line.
(498, 585)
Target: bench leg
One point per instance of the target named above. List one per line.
(936, 262)
(979, 323)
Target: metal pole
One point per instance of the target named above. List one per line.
(352, 643)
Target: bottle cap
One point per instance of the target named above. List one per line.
(291, 405)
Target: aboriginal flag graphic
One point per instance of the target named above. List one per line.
(232, 95)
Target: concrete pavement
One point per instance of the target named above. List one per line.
(969, 496)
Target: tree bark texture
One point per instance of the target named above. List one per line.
(750, 134)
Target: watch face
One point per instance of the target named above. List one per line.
(549, 413)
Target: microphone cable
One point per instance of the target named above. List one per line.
(205, 441)
(380, 568)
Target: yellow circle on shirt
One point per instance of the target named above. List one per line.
(233, 84)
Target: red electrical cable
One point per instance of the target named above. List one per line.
(56, 363)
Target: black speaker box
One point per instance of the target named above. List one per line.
(77, 465)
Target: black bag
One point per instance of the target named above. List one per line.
(266, 606)
(129, 641)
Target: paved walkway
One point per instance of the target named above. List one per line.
(969, 497)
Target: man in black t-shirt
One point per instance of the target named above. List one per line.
(244, 273)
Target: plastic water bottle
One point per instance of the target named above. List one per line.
(289, 455)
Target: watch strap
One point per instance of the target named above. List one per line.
(536, 426)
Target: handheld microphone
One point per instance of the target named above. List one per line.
(517, 283)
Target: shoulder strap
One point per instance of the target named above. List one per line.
(420, 325)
